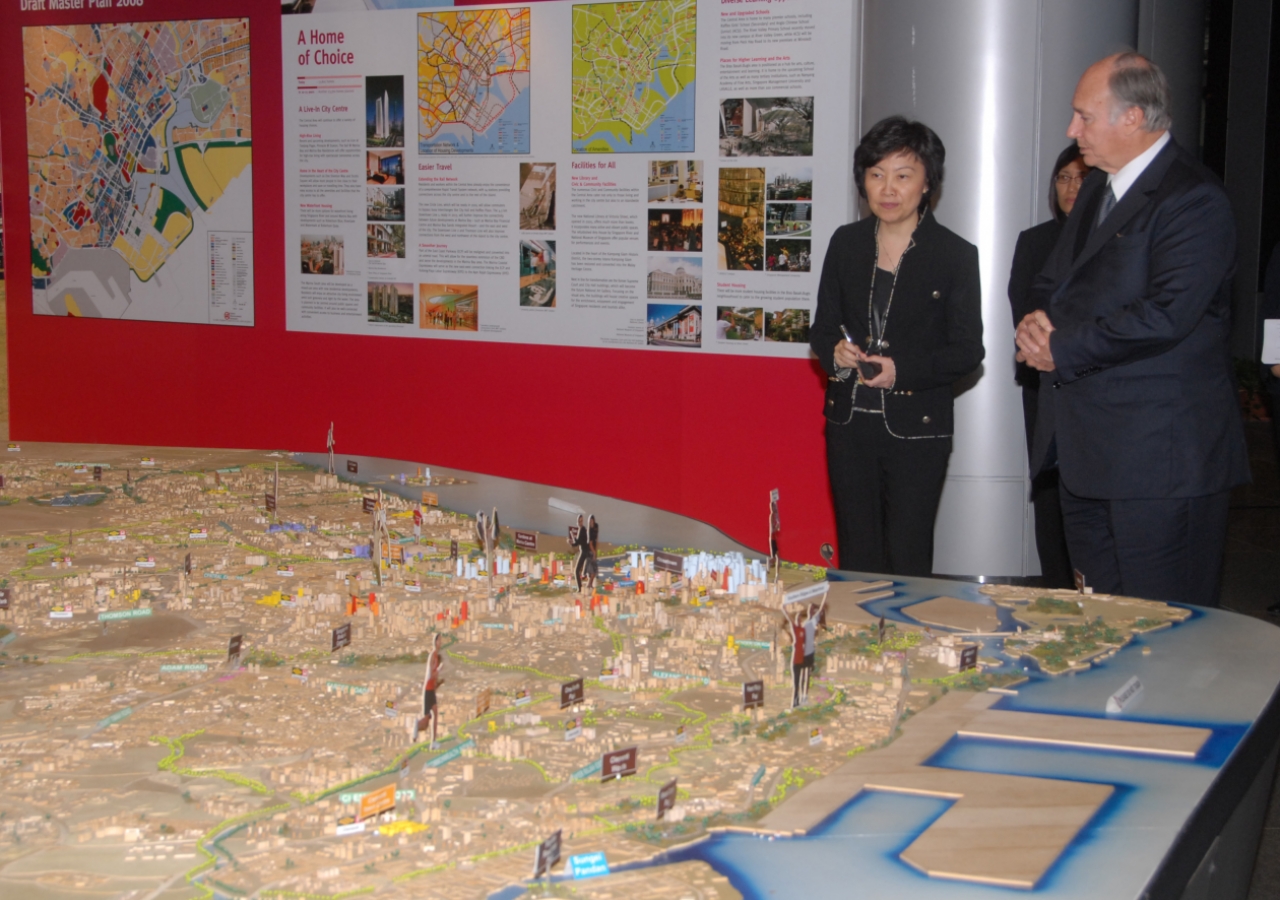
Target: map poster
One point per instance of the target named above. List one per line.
(654, 175)
(139, 149)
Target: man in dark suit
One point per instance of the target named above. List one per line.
(1130, 328)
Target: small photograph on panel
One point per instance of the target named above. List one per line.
(384, 204)
(384, 111)
(766, 126)
(538, 274)
(449, 307)
(673, 181)
(391, 302)
(675, 229)
(740, 222)
(385, 241)
(384, 166)
(323, 254)
(790, 326)
(673, 325)
(538, 196)
(788, 219)
(787, 255)
(790, 181)
(739, 323)
(675, 278)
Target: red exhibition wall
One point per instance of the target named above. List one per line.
(704, 436)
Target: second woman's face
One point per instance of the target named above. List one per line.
(895, 186)
(1067, 184)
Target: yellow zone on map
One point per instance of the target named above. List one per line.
(467, 66)
(620, 51)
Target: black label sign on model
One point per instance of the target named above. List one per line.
(666, 798)
(341, 637)
(369, 504)
(571, 693)
(271, 502)
(752, 695)
(187, 564)
(97, 473)
(526, 540)
(547, 855)
(4, 598)
(969, 658)
(619, 763)
(668, 562)
(233, 646)
(352, 466)
(453, 550)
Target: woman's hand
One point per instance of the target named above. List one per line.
(848, 354)
(888, 372)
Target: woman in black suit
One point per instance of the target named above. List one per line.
(899, 321)
(1029, 256)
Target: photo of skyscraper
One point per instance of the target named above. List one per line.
(384, 110)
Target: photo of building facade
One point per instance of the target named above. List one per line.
(673, 325)
(390, 302)
(675, 277)
(384, 204)
(385, 241)
(384, 110)
(787, 326)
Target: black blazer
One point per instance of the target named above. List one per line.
(934, 329)
(1143, 402)
(1029, 256)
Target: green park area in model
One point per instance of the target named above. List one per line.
(622, 55)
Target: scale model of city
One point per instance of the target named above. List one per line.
(211, 680)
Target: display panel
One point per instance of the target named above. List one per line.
(139, 158)
(598, 175)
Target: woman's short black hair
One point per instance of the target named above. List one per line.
(897, 134)
(1065, 158)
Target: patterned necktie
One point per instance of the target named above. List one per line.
(1104, 209)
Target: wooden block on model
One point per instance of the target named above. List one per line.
(1001, 829)
(951, 612)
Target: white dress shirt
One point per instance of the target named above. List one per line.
(1123, 180)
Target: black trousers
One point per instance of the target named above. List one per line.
(1051, 538)
(1167, 549)
(886, 492)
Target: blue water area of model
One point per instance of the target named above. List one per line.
(1201, 673)
(671, 131)
(509, 133)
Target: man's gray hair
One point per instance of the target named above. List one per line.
(1137, 81)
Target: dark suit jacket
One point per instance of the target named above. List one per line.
(1142, 403)
(1029, 256)
(934, 328)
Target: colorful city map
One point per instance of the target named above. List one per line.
(139, 149)
(473, 81)
(633, 76)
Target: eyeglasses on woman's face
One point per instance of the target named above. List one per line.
(1066, 179)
